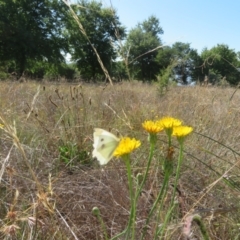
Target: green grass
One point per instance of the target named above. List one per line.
(50, 183)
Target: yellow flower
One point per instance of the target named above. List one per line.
(152, 127)
(1, 125)
(169, 122)
(182, 131)
(126, 146)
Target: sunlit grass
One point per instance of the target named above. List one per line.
(54, 125)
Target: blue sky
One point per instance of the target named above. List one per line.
(202, 23)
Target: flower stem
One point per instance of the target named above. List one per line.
(180, 159)
(96, 212)
(152, 147)
(202, 227)
(160, 196)
(153, 139)
(169, 213)
(133, 205)
(131, 223)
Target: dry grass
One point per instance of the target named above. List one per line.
(49, 116)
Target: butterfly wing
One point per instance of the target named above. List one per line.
(104, 145)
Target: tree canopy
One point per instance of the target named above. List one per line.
(31, 30)
(36, 36)
(182, 61)
(103, 30)
(185, 62)
(222, 61)
(140, 48)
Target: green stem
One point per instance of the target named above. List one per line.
(160, 207)
(132, 217)
(153, 139)
(161, 193)
(103, 227)
(180, 158)
(169, 140)
(202, 227)
(152, 147)
(161, 230)
(120, 234)
(133, 205)
(96, 212)
(131, 223)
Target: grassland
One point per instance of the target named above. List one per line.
(49, 182)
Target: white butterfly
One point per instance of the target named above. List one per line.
(104, 145)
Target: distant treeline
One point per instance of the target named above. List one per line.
(52, 40)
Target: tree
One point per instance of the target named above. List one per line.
(185, 64)
(141, 48)
(183, 61)
(165, 57)
(103, 29)
(220, 60)
(31, 30)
